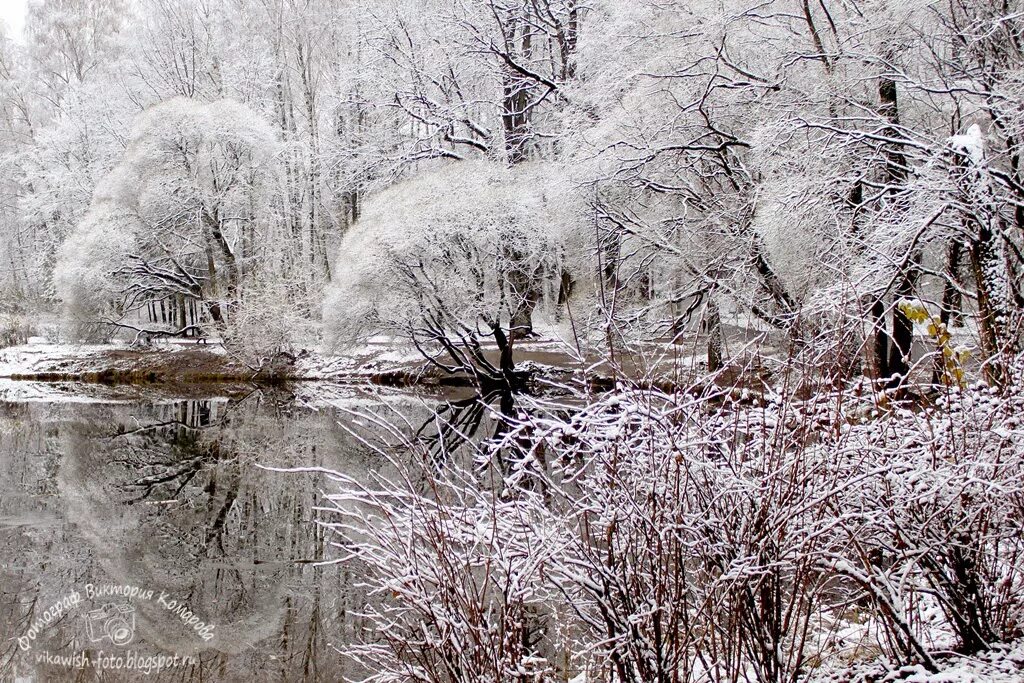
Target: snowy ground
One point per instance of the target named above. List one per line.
(1000, 664)
(41, 356)
(378, 355)
(44, 371)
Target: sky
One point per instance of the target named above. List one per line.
(13, 14)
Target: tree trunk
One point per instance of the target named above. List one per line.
(565, 287)
(880, 340)
(515, 115)
(897, 366)
(902, 339)
(985, 249)
(716, 340)
(525, 294)
(515, 120)
(989, 278)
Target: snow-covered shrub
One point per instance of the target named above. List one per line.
(268, 326)
(720, 538)
(702, 536)
(14, 329)
(692, 537)
(937, 532)
(451, 570)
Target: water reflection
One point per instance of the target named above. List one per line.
(167, 497)
(458, 423)
(456, 429)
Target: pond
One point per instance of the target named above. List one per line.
(142, 535)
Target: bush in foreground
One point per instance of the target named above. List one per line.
(693, 537)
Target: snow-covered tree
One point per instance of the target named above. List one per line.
(184, 217)
(441, 260)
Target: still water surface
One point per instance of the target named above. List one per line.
(142, 529)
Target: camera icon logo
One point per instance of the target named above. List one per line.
(112, 622)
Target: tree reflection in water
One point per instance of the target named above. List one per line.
(167, 496)
(456, 428)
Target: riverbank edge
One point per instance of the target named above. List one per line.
(112, 366)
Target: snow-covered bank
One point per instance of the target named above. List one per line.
(190, 362)
(39, 357)
(998, 664)
(381, 360)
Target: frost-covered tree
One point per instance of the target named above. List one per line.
(663, 129)
(72, 41)
(64, 123)
(184, 217)
(437, 260)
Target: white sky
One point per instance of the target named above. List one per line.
(12, 12)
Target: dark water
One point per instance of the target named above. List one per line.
(131, 531)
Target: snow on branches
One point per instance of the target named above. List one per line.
(690, 537)
(450, 258)
(184, 214)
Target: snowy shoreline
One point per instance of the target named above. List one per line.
(183, 366)
(186, 363)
